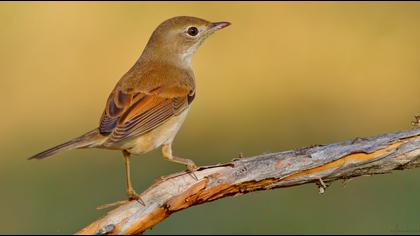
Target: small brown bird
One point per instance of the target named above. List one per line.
(150, 102)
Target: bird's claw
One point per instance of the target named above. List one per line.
(191, 168)
(136, 197)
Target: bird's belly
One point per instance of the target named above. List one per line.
(162, 134)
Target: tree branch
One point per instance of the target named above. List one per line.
(318, 164)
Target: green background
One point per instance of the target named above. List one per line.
(282, 76)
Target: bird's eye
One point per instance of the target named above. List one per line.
(193, 31)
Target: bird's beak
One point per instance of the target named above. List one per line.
(218, 25)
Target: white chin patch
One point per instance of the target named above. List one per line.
(187, 55)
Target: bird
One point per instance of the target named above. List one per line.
(150, 102)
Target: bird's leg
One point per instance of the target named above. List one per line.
(132, 195)
(167, 154)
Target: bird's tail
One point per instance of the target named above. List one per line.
(90, 139)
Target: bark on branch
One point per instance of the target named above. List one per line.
(318, 164)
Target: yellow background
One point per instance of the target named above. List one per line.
(282, 76)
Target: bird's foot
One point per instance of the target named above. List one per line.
(191, 168)
(133, 196)
(109, 205)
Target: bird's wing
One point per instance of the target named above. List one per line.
(130, 114)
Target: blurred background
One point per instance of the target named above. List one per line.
(282, 76)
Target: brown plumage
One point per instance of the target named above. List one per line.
(148, 105)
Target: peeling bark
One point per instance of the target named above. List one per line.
(319, 164)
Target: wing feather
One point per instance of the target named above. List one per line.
(131, 114)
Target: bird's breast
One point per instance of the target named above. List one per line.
(163, 134)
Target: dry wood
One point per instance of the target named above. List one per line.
(320, 164)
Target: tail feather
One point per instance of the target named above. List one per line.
(90, 139)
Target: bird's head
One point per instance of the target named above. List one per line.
(178, 38)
